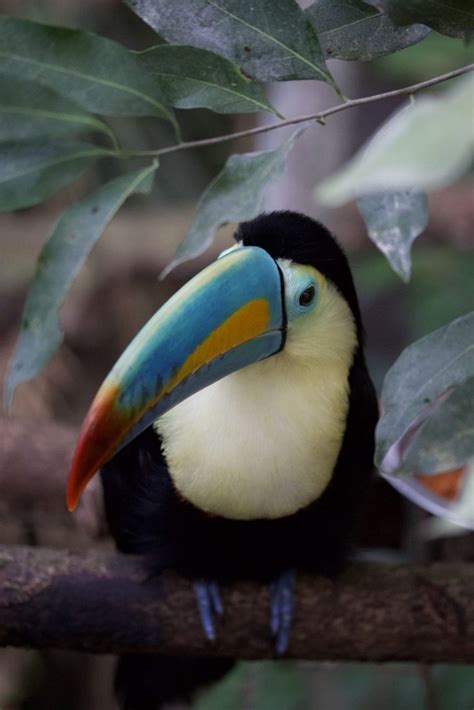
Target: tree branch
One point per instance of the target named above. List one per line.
(320, 117)
(105, 602)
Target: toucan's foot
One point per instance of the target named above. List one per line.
(209, 603)
(281, 614)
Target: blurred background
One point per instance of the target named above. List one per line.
(119, 289)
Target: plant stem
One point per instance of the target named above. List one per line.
(351, 103)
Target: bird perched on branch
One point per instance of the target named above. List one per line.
(235, 434)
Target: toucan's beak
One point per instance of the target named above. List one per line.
(228, 316)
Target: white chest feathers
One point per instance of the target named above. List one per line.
(263, 442)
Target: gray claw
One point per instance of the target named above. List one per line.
(281, 611)
(209, 603)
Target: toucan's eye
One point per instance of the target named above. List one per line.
(307, 297)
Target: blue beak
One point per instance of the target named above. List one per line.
(228, 316)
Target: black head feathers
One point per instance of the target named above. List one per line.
(290, 235)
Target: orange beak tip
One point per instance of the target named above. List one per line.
(71, 506)
(72, 494)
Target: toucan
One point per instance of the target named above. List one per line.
(235, 435)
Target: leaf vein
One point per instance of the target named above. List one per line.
(219, 87)
(296, 54)
(92, 79)
(64, 159)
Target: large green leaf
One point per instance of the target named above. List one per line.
(425, 145)
(393, 221)
(269, 39)
(189, 77)
(29, 110)
(355, 30)
(99, 75)
(454, 18)
(417, 387)
(235, 194)
(31, 171)
(446, 438)
(60, 260)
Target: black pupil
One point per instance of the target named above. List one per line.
(307, 296)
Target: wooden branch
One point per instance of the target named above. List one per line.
(107, 603)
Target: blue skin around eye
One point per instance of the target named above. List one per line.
(293, 307)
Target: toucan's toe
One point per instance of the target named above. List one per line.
(209, 603)
(281, 612)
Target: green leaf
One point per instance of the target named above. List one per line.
(29, 110)
(393, 221)
(355, 30)
(235, 194)
(33, 170)
(269, 39)
(446, 438)
(97, 74)
(418, 386)
(61, 258)
(454, 18)
(195, 78)
(424, 146)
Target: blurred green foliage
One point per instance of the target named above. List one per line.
(435, 55)
(439, 291)
(352, 686)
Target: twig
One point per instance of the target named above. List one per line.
(414, 88)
